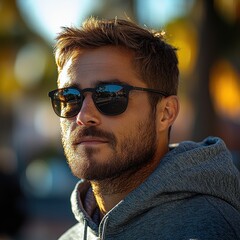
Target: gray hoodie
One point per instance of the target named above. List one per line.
(194, 194)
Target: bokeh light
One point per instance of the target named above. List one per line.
(161, 12)
(225, 89)
(183, 36)
(38, 172)
(30, 64)
(47, 17)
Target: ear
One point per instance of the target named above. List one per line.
(167, 112)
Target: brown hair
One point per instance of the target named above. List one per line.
(154, 59)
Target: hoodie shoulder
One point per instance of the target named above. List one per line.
(200, 217)
(205, 168)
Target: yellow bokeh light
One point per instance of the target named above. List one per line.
(225, 89)
(185, 40)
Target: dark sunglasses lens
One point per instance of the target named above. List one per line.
(111, 99)
(67, 102)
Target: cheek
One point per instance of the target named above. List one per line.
(139, 106)
(66, 128)
(127, 124)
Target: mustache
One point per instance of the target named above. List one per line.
(95, 132)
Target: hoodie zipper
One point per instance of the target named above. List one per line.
(85, 230)
(104, 228)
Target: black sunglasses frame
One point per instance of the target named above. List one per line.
(126, 88)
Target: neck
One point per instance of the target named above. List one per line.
(110, 192)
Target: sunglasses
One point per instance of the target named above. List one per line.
(110, 99)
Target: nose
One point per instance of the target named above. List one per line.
(88, 115)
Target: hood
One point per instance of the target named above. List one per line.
(187, 169)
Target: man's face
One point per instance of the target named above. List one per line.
(97, 146)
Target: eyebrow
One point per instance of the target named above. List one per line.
(115, 80)
(96, 83)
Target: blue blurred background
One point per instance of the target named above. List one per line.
(35, 181)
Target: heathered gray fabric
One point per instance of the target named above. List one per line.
(194, 194)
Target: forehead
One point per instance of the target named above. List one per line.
(87, 67)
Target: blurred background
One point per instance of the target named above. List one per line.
(35, 181)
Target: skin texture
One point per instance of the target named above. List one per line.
(115, 153)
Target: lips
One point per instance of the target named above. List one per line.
(89, 141)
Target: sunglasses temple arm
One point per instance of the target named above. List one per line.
(151, 90)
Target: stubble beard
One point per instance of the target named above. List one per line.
(133, 152)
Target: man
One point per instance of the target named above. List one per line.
(116, 100)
